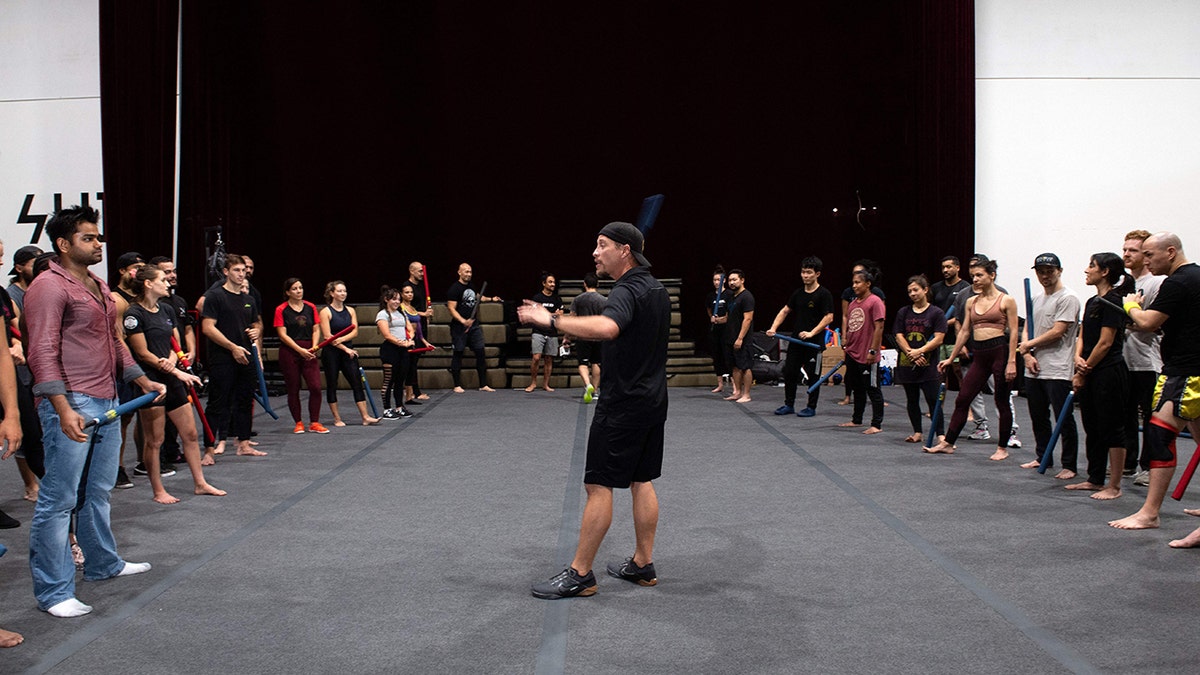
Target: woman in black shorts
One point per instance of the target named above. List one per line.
(1101, 380)
(340, 356)
(149, 328)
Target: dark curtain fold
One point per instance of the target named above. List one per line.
(138, 67)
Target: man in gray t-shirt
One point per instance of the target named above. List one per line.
(1050, 360)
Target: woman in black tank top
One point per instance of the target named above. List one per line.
(340, 356)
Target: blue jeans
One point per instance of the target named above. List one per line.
(65, 489)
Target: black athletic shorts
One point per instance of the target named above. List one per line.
(619, 456)
(587, 351)
(1181, 390)
(176, 391)
(743, 359)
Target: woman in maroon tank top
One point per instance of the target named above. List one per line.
(990, 322)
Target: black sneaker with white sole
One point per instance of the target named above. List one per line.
(629, 571)
(123, 481)
(565, 584)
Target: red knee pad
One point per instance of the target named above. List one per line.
(1160, 444)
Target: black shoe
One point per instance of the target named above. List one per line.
(565, 584)
(404, 412)
(414, 402)
(7, 522)
(165, 470)
(139, 469)
(123, 481)
(629, 571)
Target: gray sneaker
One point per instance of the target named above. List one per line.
(981, 433)
(1142, 478)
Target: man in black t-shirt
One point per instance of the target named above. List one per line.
(232, 321)
(588, 303)
(945, 292)
(1176, 311)
(717, 306)
(465, 331)
(625, 443)
(171, 452)
(812, 306)
(544, 341)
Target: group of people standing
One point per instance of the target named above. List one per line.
(1127, 356)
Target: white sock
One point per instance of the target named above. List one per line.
(68, 609)
(133, 568)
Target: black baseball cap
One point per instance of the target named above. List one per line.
(1047, 260)
(22, 256)
(131, 258)
(626, 233)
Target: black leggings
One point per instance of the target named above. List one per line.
(913, 391)
(984, 363)
(337, 361)
(395, 372)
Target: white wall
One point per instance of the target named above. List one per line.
(1087, 126)
(49, 111)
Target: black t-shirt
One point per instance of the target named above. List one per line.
(722, 308)
(1179, 299)
(739, 306)
(297, 324)
(157, 327)
(234, 313)
(634, 387)
(808, 309)
(466, 297)
(1096, 316)
(943, 294)
(179, 310)
(552, 303)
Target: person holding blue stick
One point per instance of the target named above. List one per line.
(919, 330)
(812, 307)
(718, 306)
(1049, 351)
(76, 356)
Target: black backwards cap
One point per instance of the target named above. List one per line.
(626, 233)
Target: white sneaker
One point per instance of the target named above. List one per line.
(981, 433)
(1142, 478)
(1013, 441)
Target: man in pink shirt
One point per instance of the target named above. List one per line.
(76, 357)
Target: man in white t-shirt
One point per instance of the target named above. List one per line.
(1142, 356)
(1049, 362)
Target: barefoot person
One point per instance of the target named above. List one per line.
(340, 357)
(625, 444)
(741, 324)
(863, 339)
(1050, 361)
(231, 320)
(989, 319)
(717, 305)
(76, 356)
(149, 326)
(919, 331)
(544, 341)
(1176, 312)
(1101, 380)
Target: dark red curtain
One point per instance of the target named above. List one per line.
(138, 66)
(344, 142)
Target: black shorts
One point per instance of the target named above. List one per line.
(617, 457)
(1181, 390)
(176, 391)
(743, 359)
(587, 351)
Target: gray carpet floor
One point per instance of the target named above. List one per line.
(786, 545)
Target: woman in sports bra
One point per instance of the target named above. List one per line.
(990, 322)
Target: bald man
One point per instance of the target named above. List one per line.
(465, 331)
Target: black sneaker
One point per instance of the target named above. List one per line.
(123, 481)
(390, 414)
(7, 522)
(629, 571)
(404, 412)
(139, 469)
(165, 470)
(566, 584)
